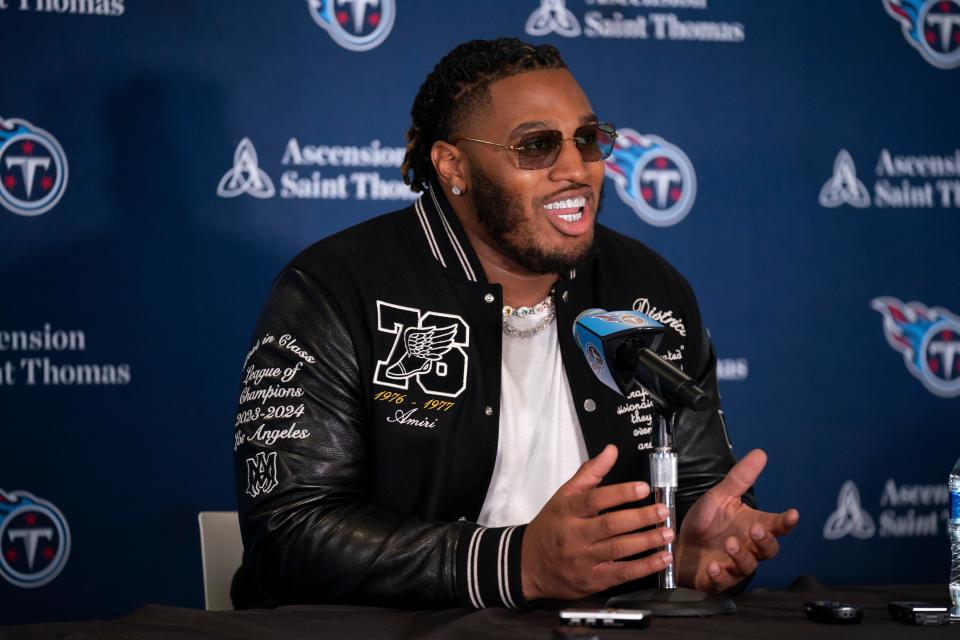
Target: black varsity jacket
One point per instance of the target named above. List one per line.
(367, 425)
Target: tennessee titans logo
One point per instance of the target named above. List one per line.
(33, 168)
(929, 340)
(932, 27)
(360, 26)
(34, 540)
(653, 177)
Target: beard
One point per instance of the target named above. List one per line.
(502, 217)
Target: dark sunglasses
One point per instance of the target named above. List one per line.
(540, 149)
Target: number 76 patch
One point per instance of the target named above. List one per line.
(429, 347)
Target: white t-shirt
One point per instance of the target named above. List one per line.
(541, 445)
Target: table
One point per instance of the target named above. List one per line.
(762, 613)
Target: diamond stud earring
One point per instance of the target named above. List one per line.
(456, 190)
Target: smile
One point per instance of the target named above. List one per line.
(571, 216)
(570, 203)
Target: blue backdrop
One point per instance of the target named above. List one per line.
(161, 161)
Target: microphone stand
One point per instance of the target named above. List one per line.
(669, 599)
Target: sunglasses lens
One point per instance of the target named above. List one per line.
(539, 150)
(606, 139)
(595, 142)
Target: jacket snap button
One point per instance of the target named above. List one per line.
(488, 411)
(589, 405)
(489, 298)
(565, 296)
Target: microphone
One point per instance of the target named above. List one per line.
(620, 347)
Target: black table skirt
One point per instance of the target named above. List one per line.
(761, 613)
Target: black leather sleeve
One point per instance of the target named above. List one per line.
(311, 532)
(703, 446)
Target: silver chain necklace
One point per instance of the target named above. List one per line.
(521, 312)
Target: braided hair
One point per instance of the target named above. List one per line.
(456, 86)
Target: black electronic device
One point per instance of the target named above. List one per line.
(633, 618)
(833, 612)
(921, 613)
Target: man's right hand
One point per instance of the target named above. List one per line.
(570, 550)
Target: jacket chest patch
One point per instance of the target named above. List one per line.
(426, 348)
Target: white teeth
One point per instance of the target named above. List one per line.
(569, 203)
(571, 217)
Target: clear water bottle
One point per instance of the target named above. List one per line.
(953, 528)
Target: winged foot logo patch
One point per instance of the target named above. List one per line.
(423, 347)
(428, 349)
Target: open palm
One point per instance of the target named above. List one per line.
(722, 539)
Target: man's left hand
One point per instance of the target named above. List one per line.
(722, 540)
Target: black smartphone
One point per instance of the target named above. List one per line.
(632, 618)
(833, 612)
(922, 613)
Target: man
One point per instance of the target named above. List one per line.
(417, 426)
